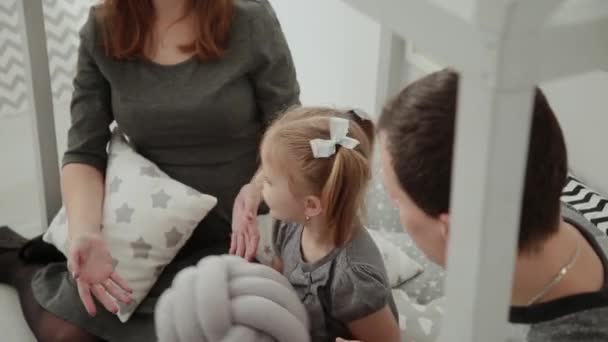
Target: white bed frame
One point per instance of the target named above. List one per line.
(503, 48)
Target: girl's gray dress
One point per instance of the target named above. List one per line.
(346, 285)
(201, 123)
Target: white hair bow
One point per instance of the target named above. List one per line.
(361, 114)
(338, 129)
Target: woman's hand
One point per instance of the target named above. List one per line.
(91, 266)
(245, 234)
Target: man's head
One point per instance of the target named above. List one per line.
(417, 141)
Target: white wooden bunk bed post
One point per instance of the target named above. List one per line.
(390, 72)
(490, 158)
(491, 147)
(502, 48)
(43, 120)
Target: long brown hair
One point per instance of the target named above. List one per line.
(127, 24)
(340, 180)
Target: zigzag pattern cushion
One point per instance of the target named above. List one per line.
(592, 205)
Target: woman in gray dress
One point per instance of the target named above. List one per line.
(193, 83)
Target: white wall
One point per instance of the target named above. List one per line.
(581, 104)
(335, 49)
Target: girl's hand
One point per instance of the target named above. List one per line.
(245, 235)
(91, 266)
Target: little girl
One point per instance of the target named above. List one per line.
(316, 165)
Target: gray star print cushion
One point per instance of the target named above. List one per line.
(147, 218)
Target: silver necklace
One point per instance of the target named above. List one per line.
(562, 273)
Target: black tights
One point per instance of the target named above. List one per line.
(46, 326)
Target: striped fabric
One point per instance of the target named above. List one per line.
(592, 205)
(63, 19)
(13, 79)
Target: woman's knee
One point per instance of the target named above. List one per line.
(72, 335)
(65, 332)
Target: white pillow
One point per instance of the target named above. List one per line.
(420, 323)
(147, 218)
(399, 266)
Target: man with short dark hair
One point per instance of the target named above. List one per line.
(559, 284)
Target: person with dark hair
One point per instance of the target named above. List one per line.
(194, 84)
(559, 284)
(560, 281)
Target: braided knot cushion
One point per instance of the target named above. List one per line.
(227, 299)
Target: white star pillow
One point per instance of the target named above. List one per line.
(147, 218)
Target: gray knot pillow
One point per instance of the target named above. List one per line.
(225, 298)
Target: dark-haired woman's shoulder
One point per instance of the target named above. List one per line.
(258, 13)
(252, 7)
(89, 31)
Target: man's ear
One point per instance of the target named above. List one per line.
(312, 206)
(445, 226)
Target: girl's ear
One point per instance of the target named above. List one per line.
(312, 206)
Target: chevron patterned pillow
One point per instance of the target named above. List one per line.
(591, 204)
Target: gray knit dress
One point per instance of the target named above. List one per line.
(346, 285)
(201, 123)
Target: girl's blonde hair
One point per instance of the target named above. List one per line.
(339, 180)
